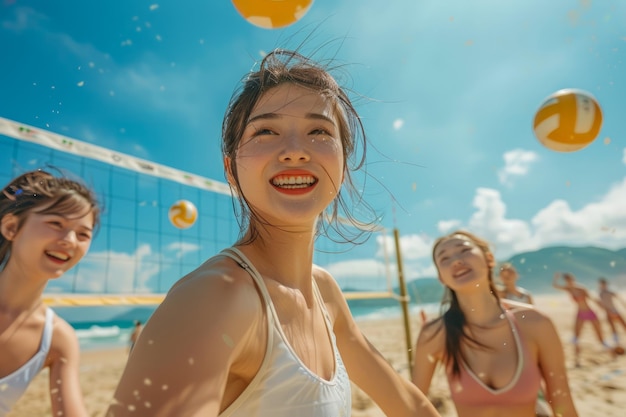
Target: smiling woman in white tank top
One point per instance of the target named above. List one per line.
(258, 330)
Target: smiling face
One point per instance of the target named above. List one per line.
(462, 264)
(290, 161)
(47, 245)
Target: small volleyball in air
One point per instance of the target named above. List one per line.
(568, 120)
(272, 14)
(183, 214)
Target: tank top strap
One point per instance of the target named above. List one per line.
(241, 259)
(46, 337)
(522, 348)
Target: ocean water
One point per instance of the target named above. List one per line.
(110, 327)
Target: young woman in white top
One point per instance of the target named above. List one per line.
(259, 330)
(46, 225)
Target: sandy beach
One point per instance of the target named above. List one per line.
(598, 384)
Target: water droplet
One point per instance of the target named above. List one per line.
(229, 342)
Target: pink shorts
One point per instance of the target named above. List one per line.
(586, 315)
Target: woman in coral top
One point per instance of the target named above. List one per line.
(495, 355)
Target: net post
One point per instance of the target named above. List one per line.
(404, 301)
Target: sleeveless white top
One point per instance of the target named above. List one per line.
(284, 386)
(523, 297)
(13, 386)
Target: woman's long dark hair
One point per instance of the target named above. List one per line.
(453, 318)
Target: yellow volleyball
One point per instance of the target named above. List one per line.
(272, 14)
(183, 214)
(568, 120)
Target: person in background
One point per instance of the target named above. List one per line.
(46, 224)
(584, 312)
(134, 335)
(607, 300)
(494, 357)
(259, 329)
(510, 291)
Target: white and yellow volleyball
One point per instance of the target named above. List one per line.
(272, 14)
(568, 120)
(183, 214)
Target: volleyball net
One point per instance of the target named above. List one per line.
(137, 254)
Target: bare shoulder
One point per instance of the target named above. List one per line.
(325, 282)
(64, 342)
(219, 299)
(532, 321)
(62, 329)
(218, 281)
(332, 295)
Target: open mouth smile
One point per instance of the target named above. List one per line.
(293, 182)
(461, 272)
(58, 256)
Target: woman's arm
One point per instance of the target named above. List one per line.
(427, 355)
(66, 397)
(552, 364)
(188, 349)
(366, 366)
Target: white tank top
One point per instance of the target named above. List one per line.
(523, 297)
(284, 386)
(13, 386)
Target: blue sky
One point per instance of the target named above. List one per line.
(448, 92)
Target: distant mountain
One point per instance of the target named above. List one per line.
(587, 264)
(536, 270)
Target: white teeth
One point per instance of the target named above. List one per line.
(299, 181)
(461, 272)
(59, 255)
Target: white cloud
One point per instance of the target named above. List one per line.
(357, 268)
(412, 246)
(182, 248)
(397, 124)
(445, 226)
(490, 222)
(418, 270)
(516, 164)
(365, 274)
(601, 222)
(122, 272)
